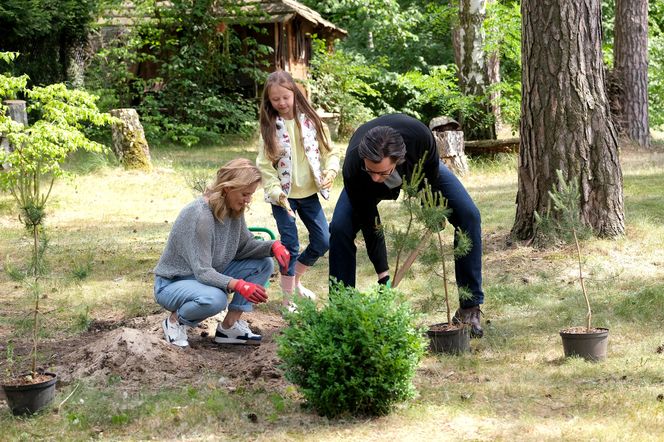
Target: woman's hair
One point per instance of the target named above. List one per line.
(381, 142)
(236, 174)
(268, 114)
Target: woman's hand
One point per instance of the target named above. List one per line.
(328, 179)
(250, 291)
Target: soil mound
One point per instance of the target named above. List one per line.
(135, 355)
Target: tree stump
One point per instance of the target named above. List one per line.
(451, 150)
(16, 111)
(449, 140)
(129, 143)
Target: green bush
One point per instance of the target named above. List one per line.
(357, 355)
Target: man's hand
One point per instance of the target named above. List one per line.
(385, 280)
(328, 179)
(283, 257)
(251, 292)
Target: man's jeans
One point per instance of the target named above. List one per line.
(311, 213)
(465, 215)
(194, 301)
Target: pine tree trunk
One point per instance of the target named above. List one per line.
(473, 70)
(565, 121)
(631, 67)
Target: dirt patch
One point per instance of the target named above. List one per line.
(134, 355)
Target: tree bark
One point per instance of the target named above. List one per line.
(129, 143)
(631, 67)
(16, 110)
(565, 121)
(472, 62)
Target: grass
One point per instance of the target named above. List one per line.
(107, 228)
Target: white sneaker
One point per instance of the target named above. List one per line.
(175, 334)
(239, 333)
(305, 292)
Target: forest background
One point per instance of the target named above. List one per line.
(398, 57)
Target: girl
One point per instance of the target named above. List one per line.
(297, 162)
(210, 253)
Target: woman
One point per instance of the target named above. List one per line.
(210, 252)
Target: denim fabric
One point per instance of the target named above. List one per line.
(311, 213)
(465, 215)
(195, 302)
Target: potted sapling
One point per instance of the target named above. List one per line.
(587, 342)
(29, 168)
(427, 218)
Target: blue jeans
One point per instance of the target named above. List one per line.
(194, 301)
(312, 215)
(465, 215)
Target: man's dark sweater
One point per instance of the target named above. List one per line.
(365, 194)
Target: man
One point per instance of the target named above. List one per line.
(381, 154)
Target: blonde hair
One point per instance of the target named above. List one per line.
(236, 174)
(268, 115)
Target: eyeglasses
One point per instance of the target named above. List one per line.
(372, 172)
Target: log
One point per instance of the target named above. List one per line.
(478, 147)
(129, 143)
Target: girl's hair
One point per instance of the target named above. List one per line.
(268, 115)
(236, 174)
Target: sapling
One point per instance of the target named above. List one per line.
(37, 151)
(427, 215)
(563, 217)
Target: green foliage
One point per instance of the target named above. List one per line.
(341, 83)
(45, 31)
(563, 216)
(201, 82)
(357, 355)
(35, 160)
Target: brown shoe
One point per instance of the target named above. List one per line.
(470, 316)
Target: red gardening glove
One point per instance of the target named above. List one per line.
(252, 292)
(283, 257)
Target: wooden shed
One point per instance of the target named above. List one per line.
(286, 26)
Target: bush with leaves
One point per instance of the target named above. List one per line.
(355, 356)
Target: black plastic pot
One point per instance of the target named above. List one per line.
(453, 341)
(30, 398)
(589, 346)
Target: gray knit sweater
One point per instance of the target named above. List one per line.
(200, 245)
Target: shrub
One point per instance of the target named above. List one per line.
(357, 355)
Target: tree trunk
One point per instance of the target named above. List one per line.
(473, 70)
(565, 121)
(631, 67)
(129, 142)
(451, 150)
(16, 110)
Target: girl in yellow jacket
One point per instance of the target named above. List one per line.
(297, 162)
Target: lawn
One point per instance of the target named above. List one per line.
(107, 227)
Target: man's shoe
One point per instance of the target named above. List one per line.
(239, 333)
(470, 316)
(175, 334)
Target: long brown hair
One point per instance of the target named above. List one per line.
(236, 174)
(268, 115)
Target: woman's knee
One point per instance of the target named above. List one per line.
(213, 299)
